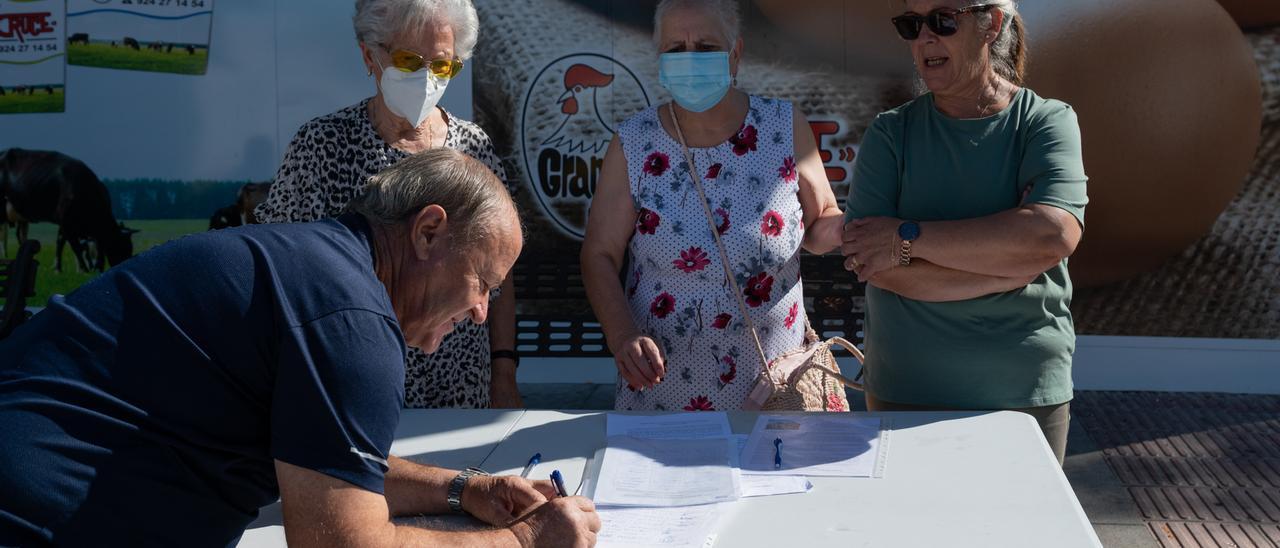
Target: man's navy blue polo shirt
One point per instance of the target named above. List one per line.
(147, 407)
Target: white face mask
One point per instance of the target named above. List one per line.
(411, 95)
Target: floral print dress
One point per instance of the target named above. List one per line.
(676, 285)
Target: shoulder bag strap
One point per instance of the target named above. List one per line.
(715, 233)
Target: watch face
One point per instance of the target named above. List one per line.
(909, 230)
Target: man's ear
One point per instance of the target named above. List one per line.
(429, 231)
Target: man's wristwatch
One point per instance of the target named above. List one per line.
(458, 484)
(908, 231)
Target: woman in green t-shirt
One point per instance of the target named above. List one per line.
(965, 204)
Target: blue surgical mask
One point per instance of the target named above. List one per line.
(696, 80)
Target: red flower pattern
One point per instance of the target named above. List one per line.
(724, 221)
(834, 403)
(728, 374)
(721, 320)
(788, 169)
(791, 315)
(758, 290)
(656, 164)
(692, 260)
(745, 140)
(772, 224)
(662, 305)
(714, 171)
(700, 403)
(647, 222)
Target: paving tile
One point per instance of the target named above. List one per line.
(1201, 469)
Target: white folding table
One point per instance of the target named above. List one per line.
(951, 479)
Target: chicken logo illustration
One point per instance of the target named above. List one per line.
(570, 113)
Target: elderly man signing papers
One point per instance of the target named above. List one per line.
(167, 400)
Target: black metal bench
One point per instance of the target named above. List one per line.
(553, 318)
(17, 284)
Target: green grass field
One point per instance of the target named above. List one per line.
(40, 101)
(48, 282)
(103, 55)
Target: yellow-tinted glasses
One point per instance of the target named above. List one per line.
(408, 61)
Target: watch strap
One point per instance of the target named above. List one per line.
(508, 354)
(459, 483)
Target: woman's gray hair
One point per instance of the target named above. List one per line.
(377, 22)
(1009, 50)
(470, 194)
(724, 11)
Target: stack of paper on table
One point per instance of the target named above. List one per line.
(668, 480)
(813, 445)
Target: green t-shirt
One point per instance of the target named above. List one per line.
(1000, 351)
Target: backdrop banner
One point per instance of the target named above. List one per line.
(152, 35)
(33, 60)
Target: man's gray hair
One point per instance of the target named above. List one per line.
(377, 22)
(724, 11)
(473, 197)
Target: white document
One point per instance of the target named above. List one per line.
(813, 445)
(680, 426)
(682, 527)
(764, 485)
(658, 472)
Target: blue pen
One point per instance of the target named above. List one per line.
(558, 481)
(777, 453)
(533, 461)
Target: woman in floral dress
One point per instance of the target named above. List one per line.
(672, 324)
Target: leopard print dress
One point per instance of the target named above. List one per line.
(327, 163)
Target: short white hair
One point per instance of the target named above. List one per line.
(724, 11)
(473, 197)
(378, 21)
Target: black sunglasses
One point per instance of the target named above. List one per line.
(941, 21)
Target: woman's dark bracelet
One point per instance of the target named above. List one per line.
(508, 354)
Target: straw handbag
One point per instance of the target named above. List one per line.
(804, 379)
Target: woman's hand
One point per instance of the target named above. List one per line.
(640, 362)
(503, 392)
(870, 246)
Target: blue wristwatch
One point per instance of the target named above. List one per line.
(908, 231)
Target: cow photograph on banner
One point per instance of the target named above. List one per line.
(33, 57)
(1180, 190)
(151, 35)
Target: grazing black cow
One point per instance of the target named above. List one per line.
(168, 48)
(241, 212)
(19, 90)
(191, 50)
(79, 38)
(113, 43)
(48, 89)
(1, 91)
(131, 43)
(45, 186)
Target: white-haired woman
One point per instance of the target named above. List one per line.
(411, 48)
(965, 204)
(675, 330)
